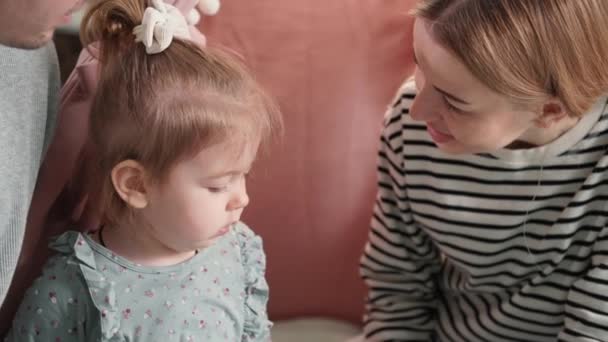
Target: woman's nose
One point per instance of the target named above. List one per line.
(425, 106)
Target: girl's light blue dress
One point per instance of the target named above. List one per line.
(86, 293)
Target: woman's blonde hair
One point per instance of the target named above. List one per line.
(528, 50)
(162, 108)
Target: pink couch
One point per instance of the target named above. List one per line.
(334, 67)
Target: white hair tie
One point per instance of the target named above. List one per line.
(161, 23)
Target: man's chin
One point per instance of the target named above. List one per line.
(30, 43)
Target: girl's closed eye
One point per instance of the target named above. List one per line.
(217, 185)
(224, 185)
(218, 189)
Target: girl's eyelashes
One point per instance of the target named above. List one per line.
(224, 188)
(218, 189)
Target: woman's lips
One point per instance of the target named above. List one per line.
(438, 136)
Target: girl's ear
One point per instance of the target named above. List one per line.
(128, 178)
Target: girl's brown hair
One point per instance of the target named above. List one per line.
(529, 50)
(162, 108)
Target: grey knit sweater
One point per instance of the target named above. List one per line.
(29, 86)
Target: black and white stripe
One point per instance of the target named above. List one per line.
(447, 257)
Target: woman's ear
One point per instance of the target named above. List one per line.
(128, 178)
(552, 112)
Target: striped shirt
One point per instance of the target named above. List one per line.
(505, 246)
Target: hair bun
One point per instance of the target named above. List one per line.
(115, 28)
(110, 20)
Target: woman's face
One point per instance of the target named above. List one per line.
(462, 114)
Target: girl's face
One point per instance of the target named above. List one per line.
(201, 198)
(462, 115)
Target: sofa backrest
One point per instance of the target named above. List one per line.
(333, 66)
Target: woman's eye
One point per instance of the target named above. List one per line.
(451, 107)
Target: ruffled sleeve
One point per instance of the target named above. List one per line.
(56, 306)
(101, 289)
(257, 326)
